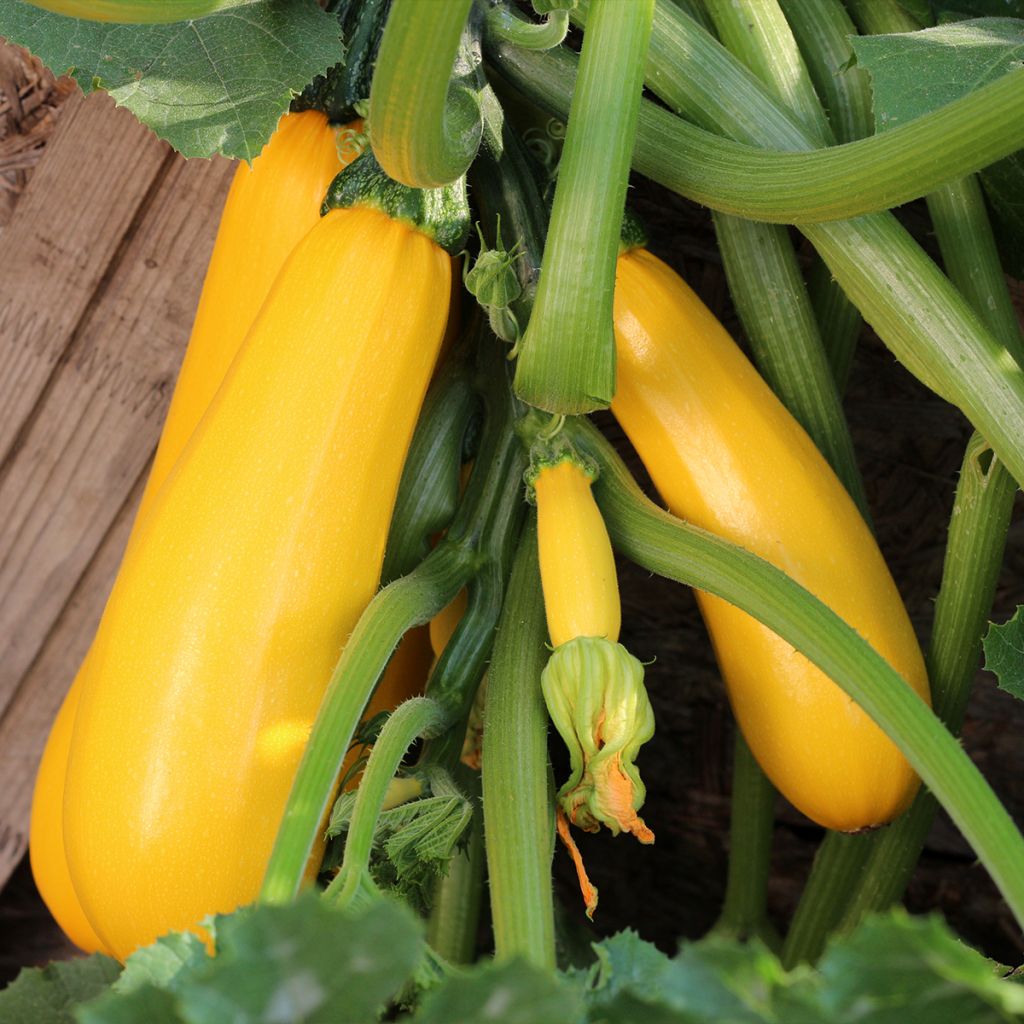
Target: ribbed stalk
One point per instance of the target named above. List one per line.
(503, 23)
(757, 32)
(518, 807)
(822, 29)
(455, 915)
(425, 129)
(417, 717)
(662, 544)
(789, 187)
(752, 817)
(567, 355)
(410, 601)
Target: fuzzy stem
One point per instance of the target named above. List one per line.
(518, 805)
(424, 132)
(416, 717)
(567, 356)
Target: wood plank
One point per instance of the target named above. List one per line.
(66, 233)
(23, 730)
(101, 415)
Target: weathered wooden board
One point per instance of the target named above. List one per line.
(99, 418)
(25, 726)
(97, 353)
(86, 197)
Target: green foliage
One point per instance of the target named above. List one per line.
(1004, 189)
(46, 995)
(309, 962)
(1004, 653)
(913, 73)
(413, 842)
(511, 993)
(216, 85)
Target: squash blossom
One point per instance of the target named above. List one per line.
(595, 695)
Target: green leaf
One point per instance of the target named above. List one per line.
(510, 993)
(146, 1004)
(46, 995)
(162, 964)
(216, 85)
(1004, 653)
(896, 968)
(305, 963)
(948, 10)
(624, 962)
(916, 72)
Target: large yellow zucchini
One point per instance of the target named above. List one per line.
(727, 456)
(244, 580)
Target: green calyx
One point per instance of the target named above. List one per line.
(442, 214)
(595, 695)
(549, 447)
(494, 282)
(633, 234)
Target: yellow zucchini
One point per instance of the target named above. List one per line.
(726, 456)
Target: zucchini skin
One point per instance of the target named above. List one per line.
(137, 12)
(727, 456)
(244, 581)
(268, 209)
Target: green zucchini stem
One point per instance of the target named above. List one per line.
(761, 180)
(519, 813)
(567, 353)
(410, 601)
(425, 124)
(660, 543)
(415, 718)
(504, 24)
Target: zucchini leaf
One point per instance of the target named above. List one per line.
(216, 85)
(913, 73)
(1004, 653)
(46, 995)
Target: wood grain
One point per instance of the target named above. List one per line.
(100, 417)
(25, 726)
(68, 230)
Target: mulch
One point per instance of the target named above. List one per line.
(909, 445)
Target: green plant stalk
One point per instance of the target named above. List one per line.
(909, 302)
(769, 184)
(757, 32)
(519, 813)
(419, 716)
(822, 29)
(428, 493)
(660, 543)
(839, 321)
(744, 911)
(455, 914)
(567, 354)
(837, 866)
(410, 601)
(424, 133)
(503, 23)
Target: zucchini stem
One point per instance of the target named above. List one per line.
(412, 719)
(424, 123)
(567, 353)
(662, 544)
(504, 24)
